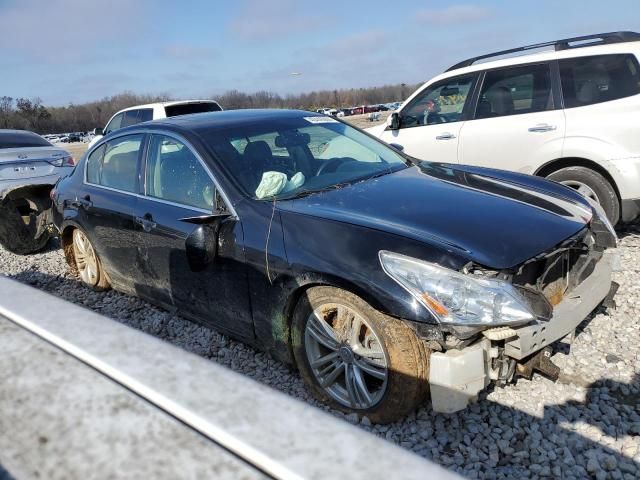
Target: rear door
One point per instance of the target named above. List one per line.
(518, 123)
(179, 186)
(430, 124)
(106, 204)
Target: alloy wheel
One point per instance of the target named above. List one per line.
(85, 257)
(346, 356)
(582, 188)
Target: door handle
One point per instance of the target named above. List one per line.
(146, 222)
(542, 127)
(446, 136)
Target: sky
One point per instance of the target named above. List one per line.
(73, 51)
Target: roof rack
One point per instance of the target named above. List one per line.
(564, 44)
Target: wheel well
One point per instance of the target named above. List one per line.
(37, 191)
(561, 163)
(66, 238)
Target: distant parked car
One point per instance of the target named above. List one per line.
(569, 114)
(153, 111)
(381, 277)
(29, 167)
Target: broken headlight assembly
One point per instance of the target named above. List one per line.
(455, 298)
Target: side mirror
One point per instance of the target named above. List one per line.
(201, 246)
(393, 121)
(98, 131)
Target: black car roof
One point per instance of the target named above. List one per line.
(230, 118)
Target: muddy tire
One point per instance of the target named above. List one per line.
(23, 224)
(591, 184)
(357, 359)
(88, 266)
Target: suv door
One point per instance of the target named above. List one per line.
(429, 125)
(106, 203)
(518, 123)
(178, 186)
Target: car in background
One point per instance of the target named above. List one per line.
(379, 276)
(153, 111)
(569, 114)
(29, 167)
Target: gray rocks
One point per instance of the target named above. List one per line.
(587, 425)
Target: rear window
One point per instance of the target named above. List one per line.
(22, 140)
(187, 108)
(600, 78)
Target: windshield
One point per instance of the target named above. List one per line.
(22, 140)
(299, 156)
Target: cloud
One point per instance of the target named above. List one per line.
(65, 30)
(261, 21)
(453, 15)
(188, 52)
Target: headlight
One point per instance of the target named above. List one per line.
(456, 298)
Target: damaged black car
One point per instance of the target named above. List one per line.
(382, 278)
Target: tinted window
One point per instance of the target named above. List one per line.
(130, 118)
(115, 163)
(442, 102)
(145, 114)
(516, 90)
(187, 108)
(21, 140)
(175, 174)
(114, 124)
(589, 80)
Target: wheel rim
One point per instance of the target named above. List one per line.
(582, 188)
(346, 356)
(85, 257)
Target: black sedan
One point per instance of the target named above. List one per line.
(382, 278)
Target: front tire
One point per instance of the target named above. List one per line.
(593, 185)
(357, 359)
(88, 264)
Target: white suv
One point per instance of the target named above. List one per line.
(153, 111)
(571, 114)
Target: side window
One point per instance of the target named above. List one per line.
(94, 165)
(516, 90)
(442, 102)
(115, 164)
(596, 79)
(130, 118)
(145, 114)
(114, 124)
(175, 174)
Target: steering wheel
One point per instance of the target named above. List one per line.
(325, 165)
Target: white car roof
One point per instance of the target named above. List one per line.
(165, 104)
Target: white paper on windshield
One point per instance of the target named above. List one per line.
(321, 120)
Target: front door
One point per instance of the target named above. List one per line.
(430, 123)
(517, 124)
(177, 187)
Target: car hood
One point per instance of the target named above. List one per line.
(496, 219)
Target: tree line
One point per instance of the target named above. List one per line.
(31, 114)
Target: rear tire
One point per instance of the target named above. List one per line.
(383, 366)
(591, 184)
(88, 265)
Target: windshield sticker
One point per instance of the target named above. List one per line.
(321, 120)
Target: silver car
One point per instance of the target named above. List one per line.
(29, 168)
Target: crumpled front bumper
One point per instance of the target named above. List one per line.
(457, 376)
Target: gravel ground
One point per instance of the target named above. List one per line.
(585, 427)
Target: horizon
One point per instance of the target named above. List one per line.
(59, 52)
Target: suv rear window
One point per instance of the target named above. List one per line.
(187, 108)
(22, 140)
(600, 78)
